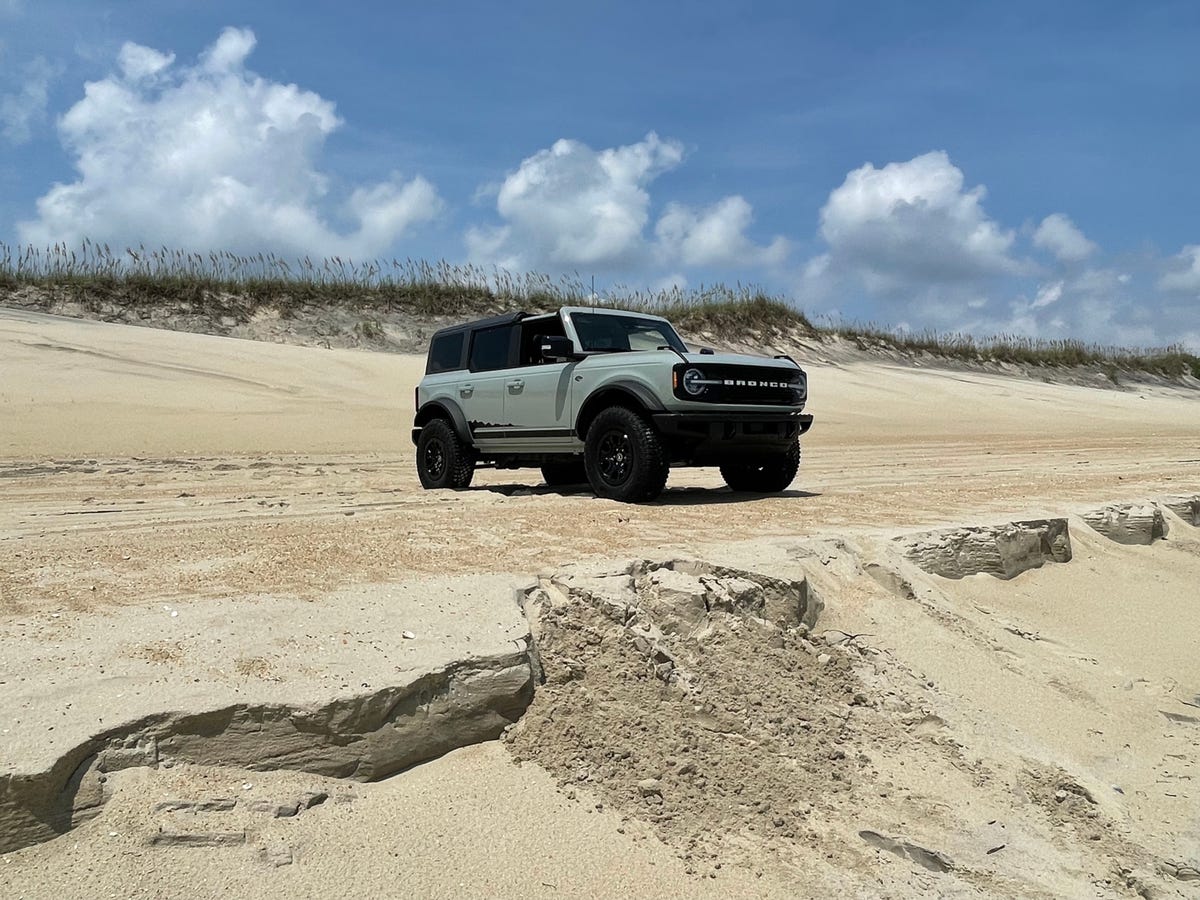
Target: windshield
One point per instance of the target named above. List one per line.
(602, 332)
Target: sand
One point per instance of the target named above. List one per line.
(976, 737)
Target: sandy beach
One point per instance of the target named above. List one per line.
(223, 595)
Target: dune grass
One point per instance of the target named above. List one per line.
(1172, 361)
(95, 273)
(221, 283)
(231, 284)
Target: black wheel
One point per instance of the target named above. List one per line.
(766, 474)
(624, 457)
(443, 460)
(564, 473)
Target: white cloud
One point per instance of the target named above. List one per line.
(1058, 234)
(22, 109)
(911, 225)
(1048, 294)
(1184, 278)
(676, 281)
(817, 268)
(571, 206)
(229, 52)
(912, 234)
(1095, 305)
(213, 156)
(715, 236)
(138, 62)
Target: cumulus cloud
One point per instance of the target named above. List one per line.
(913, 235)
(229, 52)
(912, 224)
(1105, 305)
(1184, 277)
(1048, 294)
(1058, 234)
(715, 236)
(1098, 305)
(210, 156)
(676, 281)
(25, 107)
(572, 206)
(139, 62)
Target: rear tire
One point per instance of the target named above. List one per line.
(624, 457)
(768, 474)
(562, 474)
(443, 459)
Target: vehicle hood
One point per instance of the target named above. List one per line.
(666, 357)
(738, 359)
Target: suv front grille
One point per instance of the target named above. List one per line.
(758, 385)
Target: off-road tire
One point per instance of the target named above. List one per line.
(565, 473)
(443, 459)
(624, 457)
(768, 474)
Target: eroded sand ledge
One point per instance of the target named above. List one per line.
(361, 686)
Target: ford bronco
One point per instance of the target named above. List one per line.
(606, 397)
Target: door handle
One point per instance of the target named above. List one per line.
(515, 387)
(466, 390)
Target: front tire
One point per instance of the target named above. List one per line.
(768, 474)
(443, 459)
(624, 457)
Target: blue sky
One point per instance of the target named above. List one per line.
(1020, 167)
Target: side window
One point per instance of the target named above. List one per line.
(531, 334)
(490, 349)
(445, 353)
(600, 332)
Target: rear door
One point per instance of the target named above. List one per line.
(490, 360)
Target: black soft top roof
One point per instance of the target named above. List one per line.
(505, 319)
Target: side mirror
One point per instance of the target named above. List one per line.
(556, 347)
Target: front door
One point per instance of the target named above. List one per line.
(537, 404)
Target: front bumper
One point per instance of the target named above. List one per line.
(716, 435)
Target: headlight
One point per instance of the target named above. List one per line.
(692, 379)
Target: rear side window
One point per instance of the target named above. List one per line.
(446, 353)
(490, 349)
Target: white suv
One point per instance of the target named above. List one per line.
(603, 396)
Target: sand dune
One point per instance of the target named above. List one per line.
(914, 734)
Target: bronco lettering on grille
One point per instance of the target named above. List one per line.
(734, 382)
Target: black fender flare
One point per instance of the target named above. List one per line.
(633, 394)
(442, 408)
